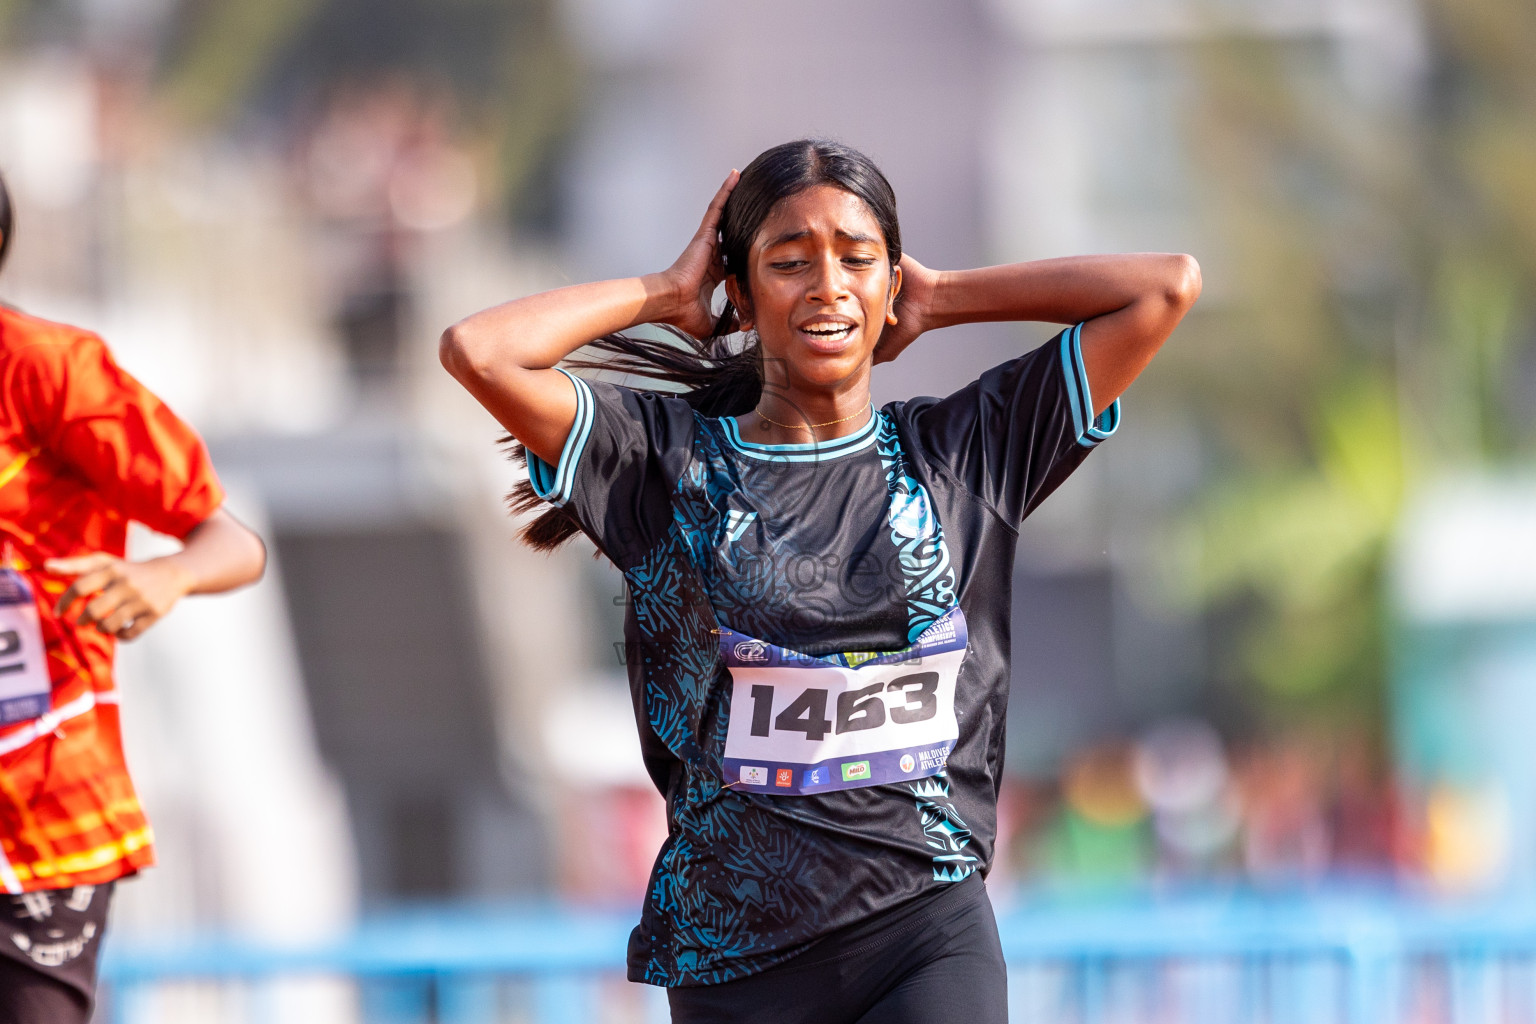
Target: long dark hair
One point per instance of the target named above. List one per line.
(720, 375)
(7, 219)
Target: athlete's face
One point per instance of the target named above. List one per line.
(822, 288)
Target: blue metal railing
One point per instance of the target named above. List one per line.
(1351, 958)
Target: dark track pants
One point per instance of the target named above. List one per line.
(936, 960)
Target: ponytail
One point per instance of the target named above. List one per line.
(713, 375)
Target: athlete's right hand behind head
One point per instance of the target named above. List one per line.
(699, 270)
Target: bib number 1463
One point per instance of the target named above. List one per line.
(801, 725)
(865, 707)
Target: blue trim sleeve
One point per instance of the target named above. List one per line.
(1089, 431)
(554, 483)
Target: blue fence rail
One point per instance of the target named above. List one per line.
(1230, 958)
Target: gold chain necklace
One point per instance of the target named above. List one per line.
(812, 426)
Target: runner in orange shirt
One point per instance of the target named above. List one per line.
(84, 449)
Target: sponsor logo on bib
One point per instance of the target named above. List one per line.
(855, 770)
(754, 775)
(784, 778)
(816, 777)
(938, 757)
(908, 762)
(751, 650)
(940, 632)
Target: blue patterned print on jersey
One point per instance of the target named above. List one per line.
(716, 838)
(721, 841)
(676, 643)
(930, 578)
(733, 886)
(944, 829)
(919, 539)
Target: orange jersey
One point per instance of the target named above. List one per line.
(84, 448)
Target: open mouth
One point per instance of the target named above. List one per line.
(827, 332)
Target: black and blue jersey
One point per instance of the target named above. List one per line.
(853, 545)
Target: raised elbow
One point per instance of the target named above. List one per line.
(456, 351)
(1183, 283)
(256, 556)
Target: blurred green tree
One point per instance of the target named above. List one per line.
(1379, 253)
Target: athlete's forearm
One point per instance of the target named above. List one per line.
(1128, 305)
(536, 332)
(1068, 290)
(220, 554)
(124, 598)
(505, 355)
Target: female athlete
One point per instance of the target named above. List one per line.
(817, 641)
(84, 448)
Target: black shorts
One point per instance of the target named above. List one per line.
(49, 941)
(935, 959)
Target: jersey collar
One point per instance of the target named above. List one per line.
(816, 451)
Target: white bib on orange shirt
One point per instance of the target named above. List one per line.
(24, 686)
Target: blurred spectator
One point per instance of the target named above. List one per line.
(1285, 834)
(1099, 833)
(1365, 819)
(1466, 837)
(379, 165)
(1181, 771)
(1286, 809)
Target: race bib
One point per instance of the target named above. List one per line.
(803, 725)
(24, 686)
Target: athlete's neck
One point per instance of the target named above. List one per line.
(781, 418)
